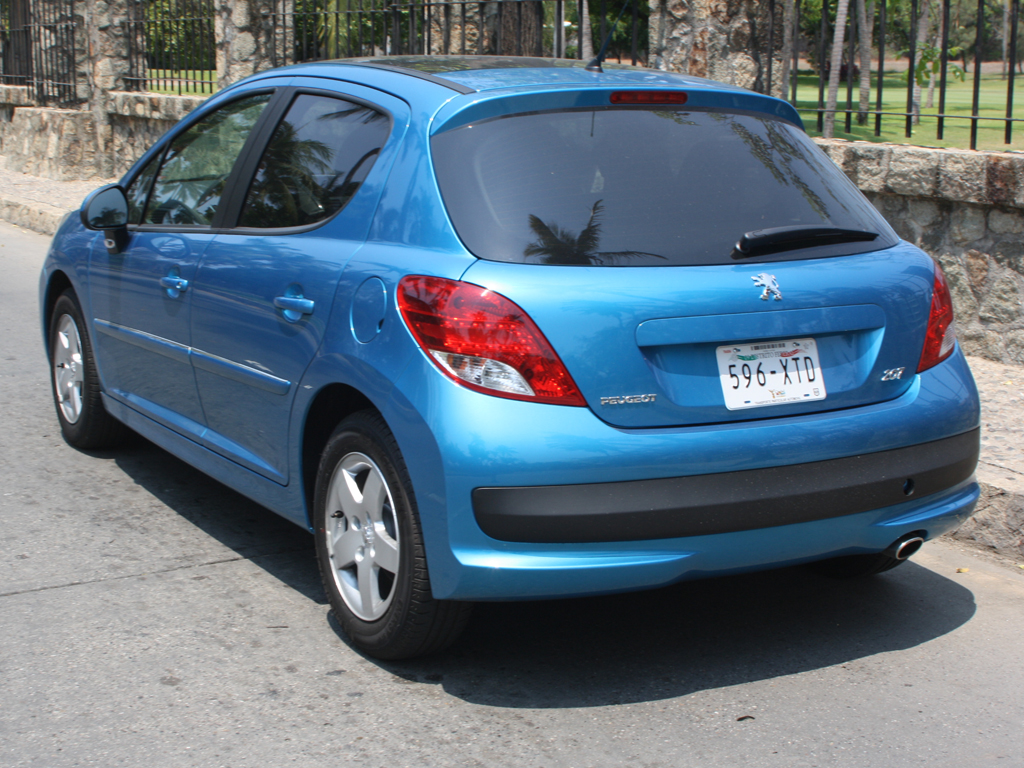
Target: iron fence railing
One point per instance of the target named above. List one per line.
(37, 49)
(988, 22)
(318, 29)
(173, 45)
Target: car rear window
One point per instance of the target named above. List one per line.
(629, 187)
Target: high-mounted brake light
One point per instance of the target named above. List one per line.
(940, 338)
(648, 97)
(484, 341)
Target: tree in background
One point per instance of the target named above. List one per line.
(788, 34)
(866, 25)
(837, 63)
(586, 38)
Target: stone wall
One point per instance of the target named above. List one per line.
(966, 209)
(53, 143)
(64, 144)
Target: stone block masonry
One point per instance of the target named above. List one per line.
(54, 143)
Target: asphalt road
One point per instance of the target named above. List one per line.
(149, 616)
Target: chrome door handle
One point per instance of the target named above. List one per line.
(294, 307)
(173, 283)
(295, 304)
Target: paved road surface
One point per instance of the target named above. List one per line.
(151, 617)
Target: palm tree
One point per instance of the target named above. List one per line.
(837, 62)
(788, 33)
(586, 41)
(866, 19)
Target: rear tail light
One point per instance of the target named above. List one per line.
(941, 336)
(484, 341)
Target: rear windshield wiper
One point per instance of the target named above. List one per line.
(776, 239)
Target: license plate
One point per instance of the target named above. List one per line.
(770, 373)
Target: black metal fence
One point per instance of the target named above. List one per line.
(970, 31)
(338, 28)
(916, 46)
(37, 49)
(173, 45)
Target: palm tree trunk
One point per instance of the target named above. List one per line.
(866, 18)
(788, 18)
(923, 23)
(586, 40)
(1006, 34)
(837, 62)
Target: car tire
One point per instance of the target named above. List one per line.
(370, 547)
(855, 566)
(84, 421)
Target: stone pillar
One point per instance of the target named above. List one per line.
(724, 40)
(106, 68)
(252, 35)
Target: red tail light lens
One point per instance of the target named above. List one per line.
(940, 339)
(484, 341)
(648, 97)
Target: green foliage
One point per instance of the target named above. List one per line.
(622, 34)
(929, 64)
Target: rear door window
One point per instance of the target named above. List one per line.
(639, 186)
(315, 162)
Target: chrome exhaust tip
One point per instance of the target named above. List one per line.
(903, 548)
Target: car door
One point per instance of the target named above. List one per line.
(264, 291)
(140, 297)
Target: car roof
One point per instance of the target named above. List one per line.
(471, 74)
(480, 84)
(483, 73)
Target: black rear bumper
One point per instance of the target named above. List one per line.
(723, 503)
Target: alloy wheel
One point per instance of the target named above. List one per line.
(68, 369)
(362, 536)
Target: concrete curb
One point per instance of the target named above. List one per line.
(31, 214)
(38, 203)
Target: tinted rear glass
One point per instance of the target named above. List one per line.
(628, 187)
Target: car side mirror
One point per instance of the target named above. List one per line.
(106, 209)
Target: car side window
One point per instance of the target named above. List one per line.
(188, 189)
(315, 162)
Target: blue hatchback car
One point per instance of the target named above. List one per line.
(498, 329)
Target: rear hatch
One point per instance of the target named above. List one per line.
(689, 265)
(642, 343)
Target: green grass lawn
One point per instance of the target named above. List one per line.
(959, 96)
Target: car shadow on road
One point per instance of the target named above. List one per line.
(281, 548)
(670, 642)
(598, 651)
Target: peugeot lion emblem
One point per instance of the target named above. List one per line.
(770, 285)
